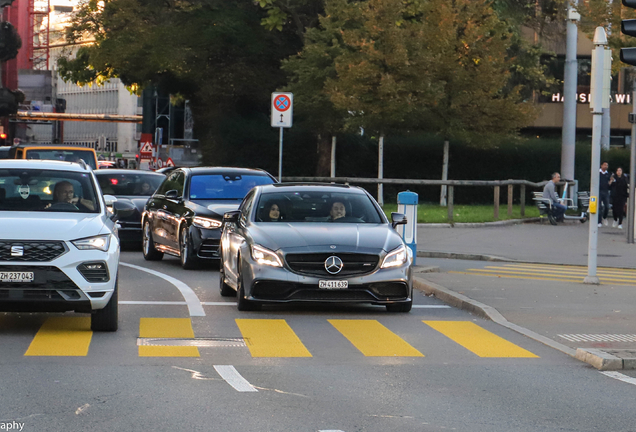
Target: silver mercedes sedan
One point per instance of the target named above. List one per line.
(314, 243)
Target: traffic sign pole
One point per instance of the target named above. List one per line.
(601, 65)
(282, 109)
(280, 156)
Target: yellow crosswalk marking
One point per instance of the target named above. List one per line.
(478, 340)
(271, 338)
(573, 267)
(373, 339)
(62, 336)
(167, 328)
(554, 273)
(608, 274)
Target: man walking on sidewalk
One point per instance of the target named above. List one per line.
(604, 178)
(549, 192)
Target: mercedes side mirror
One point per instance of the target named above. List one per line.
(398, 219)
(173, 194)
(122, 209)
(231, 217)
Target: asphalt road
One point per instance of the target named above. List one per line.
(289, 368)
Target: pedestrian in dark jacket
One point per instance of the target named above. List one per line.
(620, 192)
(604, 178)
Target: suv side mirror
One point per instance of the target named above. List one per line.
(398, 219)
(231, 217)
(109, 200)
(172, 194)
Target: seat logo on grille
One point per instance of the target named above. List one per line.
(333, 265)
(17, 251)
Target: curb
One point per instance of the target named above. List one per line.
(426, 269)
(484, 311)
(599, 359)
(480, 257)
(462, 256)
(479, 224)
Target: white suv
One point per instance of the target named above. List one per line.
(59, 249)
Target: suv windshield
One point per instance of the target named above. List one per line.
(132, 184)
(327, 207)
(225, 186)
(47, 190)
(63, 155)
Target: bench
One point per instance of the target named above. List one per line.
(545, 204)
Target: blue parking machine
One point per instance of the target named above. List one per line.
(407, 204)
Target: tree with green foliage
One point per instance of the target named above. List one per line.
(607, 14)
(214, 53)
(433, 65)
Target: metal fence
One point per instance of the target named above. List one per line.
(451, 184)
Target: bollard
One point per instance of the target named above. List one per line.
(407, 205)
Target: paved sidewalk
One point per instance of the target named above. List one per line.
(570, 313)
(562, 244)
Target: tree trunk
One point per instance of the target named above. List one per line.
(323, 165)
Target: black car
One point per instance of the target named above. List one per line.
(314, 243)
(130, 186)
(184, 216)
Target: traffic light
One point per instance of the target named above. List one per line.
(10, 41)
(9, 101)
(628, 27)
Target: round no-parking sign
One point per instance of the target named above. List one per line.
(282, 108)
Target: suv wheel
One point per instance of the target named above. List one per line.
(105, 320)
(150, 253)
(188, 260)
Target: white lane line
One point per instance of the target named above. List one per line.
(150, 302)
(330, 430)
(233, 378)
(619, 376)
(193, 302)
(218, 303)
(134, 302)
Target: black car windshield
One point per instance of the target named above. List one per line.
(327, 207)
(44, 190)
(225, 186)
(63, 155)
(132, 184)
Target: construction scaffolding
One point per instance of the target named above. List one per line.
(39, 29)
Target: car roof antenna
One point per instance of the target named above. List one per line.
(83, 164)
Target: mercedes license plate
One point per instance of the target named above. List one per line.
(10, 277)
(333, 284)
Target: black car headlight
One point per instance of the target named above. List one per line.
(206, 223)
(265, 256)
(395, 258)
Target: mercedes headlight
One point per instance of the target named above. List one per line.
(395, 258)
(100, 242)
(206, 223)
(265, 256)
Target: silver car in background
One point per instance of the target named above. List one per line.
(314, 243)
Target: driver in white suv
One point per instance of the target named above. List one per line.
(58, 251)
(65, 193)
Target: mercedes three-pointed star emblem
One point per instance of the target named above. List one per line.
(333, 265)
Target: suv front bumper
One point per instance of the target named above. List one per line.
(58, 285)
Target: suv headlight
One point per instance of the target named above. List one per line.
(206, 223)
(100, 242)
(265, 256)
(395, 258)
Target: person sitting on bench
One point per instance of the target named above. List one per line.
(549, 192)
